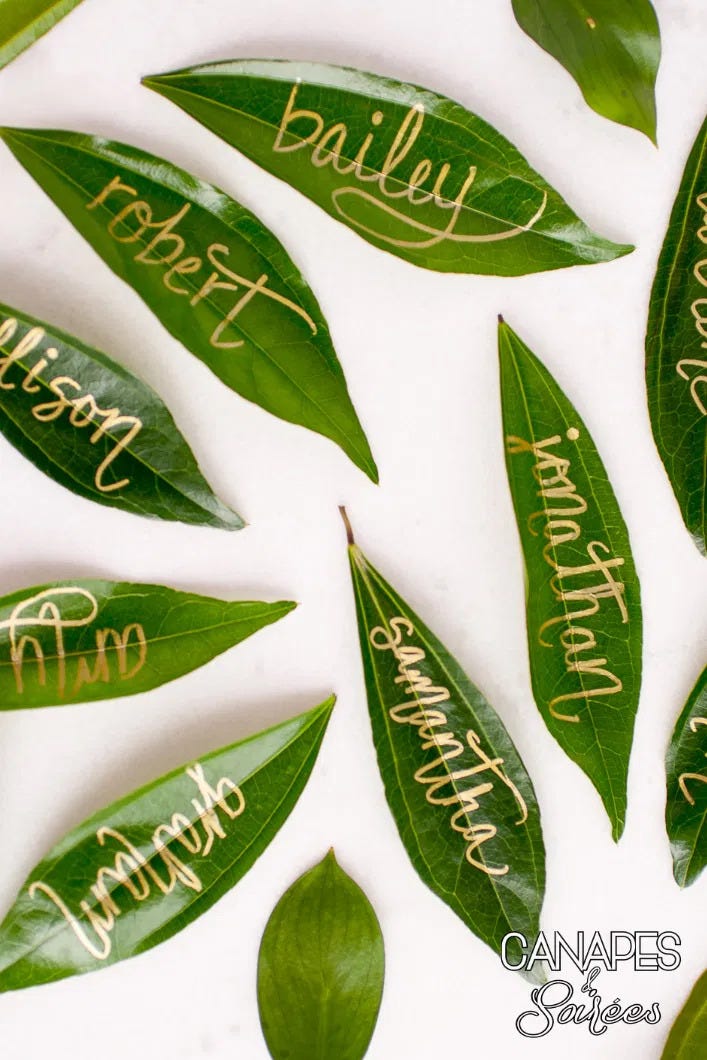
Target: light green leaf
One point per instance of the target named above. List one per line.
(22, 22)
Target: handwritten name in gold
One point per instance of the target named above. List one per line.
(432, 726)
(44, 611)
(161, 245)
(561, 504)
(694, 369)
(329, 148)
(699, 778)
(84, 408)
(156, 871)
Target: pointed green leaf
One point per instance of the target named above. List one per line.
(688, 1035)
(460, 795)
(139, 871)
(93, 427)
(79, 641)
(218, 280)
(583, 602)
(676, 346)
(22, 22)
(686, 769)
(409, 170)
(610, 47)
(321, 969)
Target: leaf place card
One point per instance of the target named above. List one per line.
(217, 279)
(96, 429)
(79, 641)
(412, 172)
(676, 346)
(460, 795)
(610, 47)
(686, 805)
(583, 602)
(321, 969)
(139, 871)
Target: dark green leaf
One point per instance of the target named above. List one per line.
(611, 48)
(90, 425)
(583, 601)
(686, 768)
(457, 788)
(687, 1038)
(321, 969)
(409, 170)
(141, 870)
(22, 22)
(78, 641)
(676, 346)
(218, 280)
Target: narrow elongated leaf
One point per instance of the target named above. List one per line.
(457, 788)
(676, 346)
(93, 427)
(610, 47)
(78, 641)
(218, 280)
(583, 602)
(688, 1034)
(22, 22)
(139, 871)
(686, 769)
(321, 969)
(409, 170)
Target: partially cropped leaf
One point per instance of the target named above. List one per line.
(93, 427)
(218, 280)
(22, 22)
(583, 601)
(321, 969)
(611, 48)
(78, 641)
(676, 346)
(688, 1035)
(686, 769)
(409, 170)
(462, 800)
(139, 871)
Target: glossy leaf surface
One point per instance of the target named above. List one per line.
(409, 170)
(583, 603)
(96, 429)
(688, 1034)
(321, 969)
(139, 871)
(460, 795)
(686, 768)
(22, 22)
(610, 47)
(218, 280)
(79, 641)
(676, 347)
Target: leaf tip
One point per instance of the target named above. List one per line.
(347, 523)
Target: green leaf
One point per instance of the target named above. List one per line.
(218, 280)
(93, 427)
(139, 871)
(676, 346)
(583, 601)
(686, 769)
(79, 641)
(686, 1040)
(462, 800)
(22, 22)
(409, 170)
(610, 47)
(321, 969)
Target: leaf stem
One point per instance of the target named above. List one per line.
(347, 524)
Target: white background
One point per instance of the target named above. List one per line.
(418, 349)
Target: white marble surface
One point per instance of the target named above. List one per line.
(418, 349)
